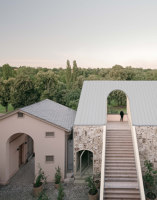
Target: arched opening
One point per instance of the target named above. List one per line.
(84, 163)
(20, 158)
(117, 106)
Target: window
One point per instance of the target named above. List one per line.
(49, 158)
(50, 134)
(20, 114)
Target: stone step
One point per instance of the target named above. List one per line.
(119, 175)
(121, 185)
(119, 151)
(120, 172)
(120, 164)
(112, 145)
(121, 179)
(122, 196)
(119, 147)
(121, 160)
(118, 136)
(121, 191)
(120, 168)
(113, 155)
(118, 142)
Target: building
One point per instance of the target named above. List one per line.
(94, 138)
(99, 143)
(43, 129)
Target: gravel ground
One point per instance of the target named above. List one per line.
(20, 187)
(21, 192)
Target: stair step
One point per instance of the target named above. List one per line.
(119, 137)
(120, 168)
(122, 196)
(122, 179)
(107, 172)
(124, 151)
(121, 191)
(118, 165)
(107, 175)
(121, 185)
(130, 142)
(119, 146)
(120, 155)
(120, 161)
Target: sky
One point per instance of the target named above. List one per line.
(95, 33)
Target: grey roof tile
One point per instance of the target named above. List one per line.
(52, 112)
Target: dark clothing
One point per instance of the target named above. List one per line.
(122, 115)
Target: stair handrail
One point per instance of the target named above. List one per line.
(103, 164)
(138, 164)
(136, 152)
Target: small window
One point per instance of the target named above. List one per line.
(49, 158)
(20, 114)
(50, 134)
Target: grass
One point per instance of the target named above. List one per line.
(2, 108)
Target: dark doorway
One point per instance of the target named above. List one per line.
(21, 152)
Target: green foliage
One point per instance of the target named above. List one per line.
(46, 84)
(40, 179)
(7, 71)
(150, 180)
(75, 71)
(91, 184)
(5, 92)
(43, 196)
(60, 192)
(68, 75)
(58, 175)
(72, 98)
(63, 85)
(23, 92)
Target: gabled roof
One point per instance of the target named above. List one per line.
(52, 112)
(142, 97)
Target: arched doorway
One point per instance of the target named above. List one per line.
(20, 152)
(84, 163)
(117, 102)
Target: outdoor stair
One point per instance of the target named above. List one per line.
(121, 180)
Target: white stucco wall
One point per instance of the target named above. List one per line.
(42, 145)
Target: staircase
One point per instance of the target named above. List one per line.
(120, 170)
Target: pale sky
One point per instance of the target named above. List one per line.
(95, 33)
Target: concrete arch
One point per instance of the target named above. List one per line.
(114, 116)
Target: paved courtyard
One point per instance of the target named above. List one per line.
(20, 187)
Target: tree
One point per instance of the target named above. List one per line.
(117, 73)
(68, 75)
(75, 71)
(23, 92)
(5, 92)
(46, 84)
(7, 71)
(72, 98)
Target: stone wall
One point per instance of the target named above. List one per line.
(89, 138)
(147, 144)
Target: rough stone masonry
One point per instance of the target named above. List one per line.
(147, 144)
(89, 138)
